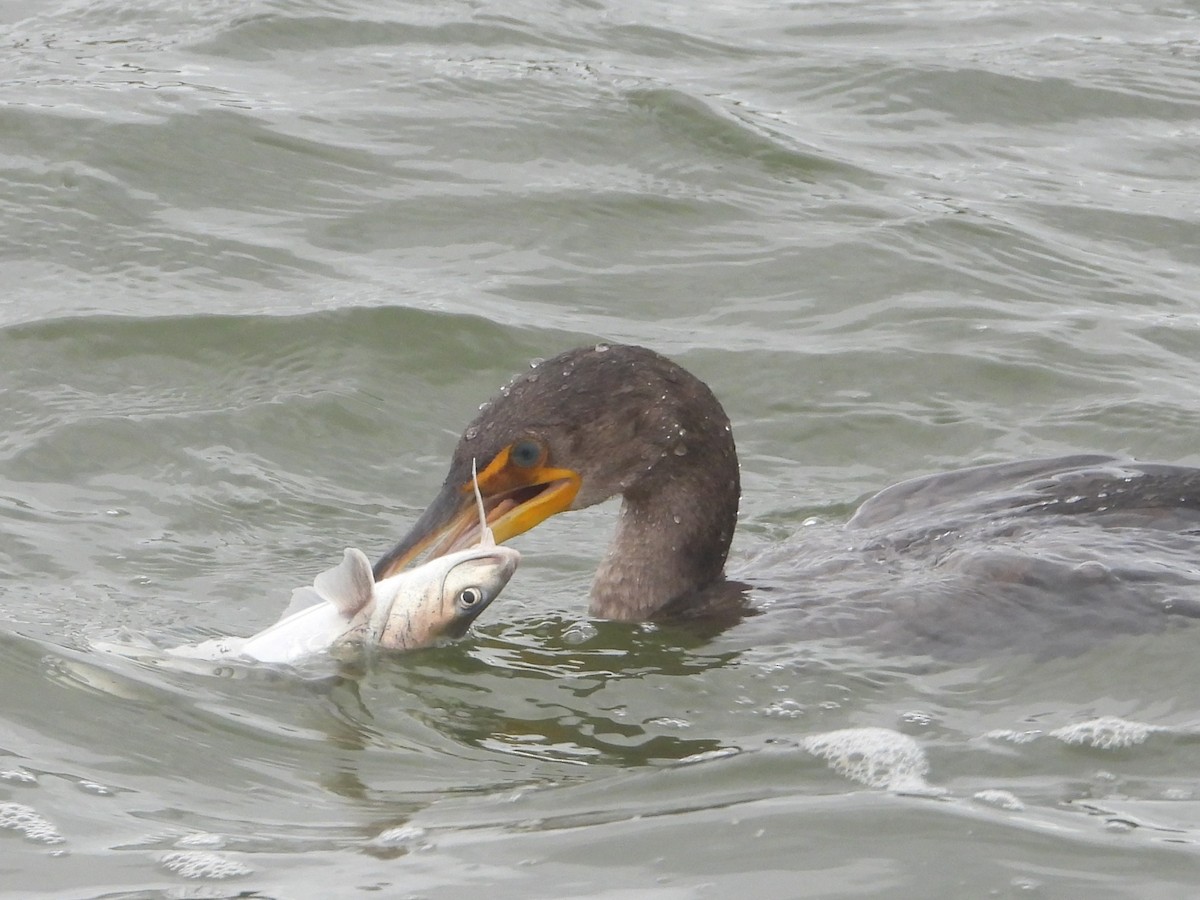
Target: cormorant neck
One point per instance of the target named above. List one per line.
(674, 529)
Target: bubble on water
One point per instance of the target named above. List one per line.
(1105, 733)
(784, 709)
(1026, 885)
(917, 719)
(1093, 570)
(579, 632)
(202, 864)
(18, 776)
(876, 757)
(93, 787)
(1000, 799)
(29, 822)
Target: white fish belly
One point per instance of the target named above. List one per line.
(289, 641)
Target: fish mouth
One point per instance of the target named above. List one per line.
(451, 522)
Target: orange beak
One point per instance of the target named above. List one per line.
(515, 499)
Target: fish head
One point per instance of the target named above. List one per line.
(440, 598)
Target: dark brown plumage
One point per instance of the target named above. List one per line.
(940, 561)
(625, 421)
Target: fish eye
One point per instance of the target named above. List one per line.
(525, 453)
(469, 597)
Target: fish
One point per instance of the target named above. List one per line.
(347, 611)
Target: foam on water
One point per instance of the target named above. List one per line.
(202, 864)
(201, 840)
(1106, 733)
(999, 799)
(708, 756)
(876, 757)
(400, 838)
(18, 776)
(29, 822)
(1012, 736)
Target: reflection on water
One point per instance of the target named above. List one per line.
(571, 705)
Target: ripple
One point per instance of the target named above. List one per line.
(894, 238)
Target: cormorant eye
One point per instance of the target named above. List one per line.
(468, 597)
(525, 454)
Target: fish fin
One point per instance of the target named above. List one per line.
(302, 598)
(349, 585)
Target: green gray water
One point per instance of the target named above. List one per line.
(260, 262)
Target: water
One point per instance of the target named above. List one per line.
(262, 261)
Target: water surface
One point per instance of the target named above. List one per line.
(262, 261)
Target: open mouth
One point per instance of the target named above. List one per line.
(451, 522)
(508, 514)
